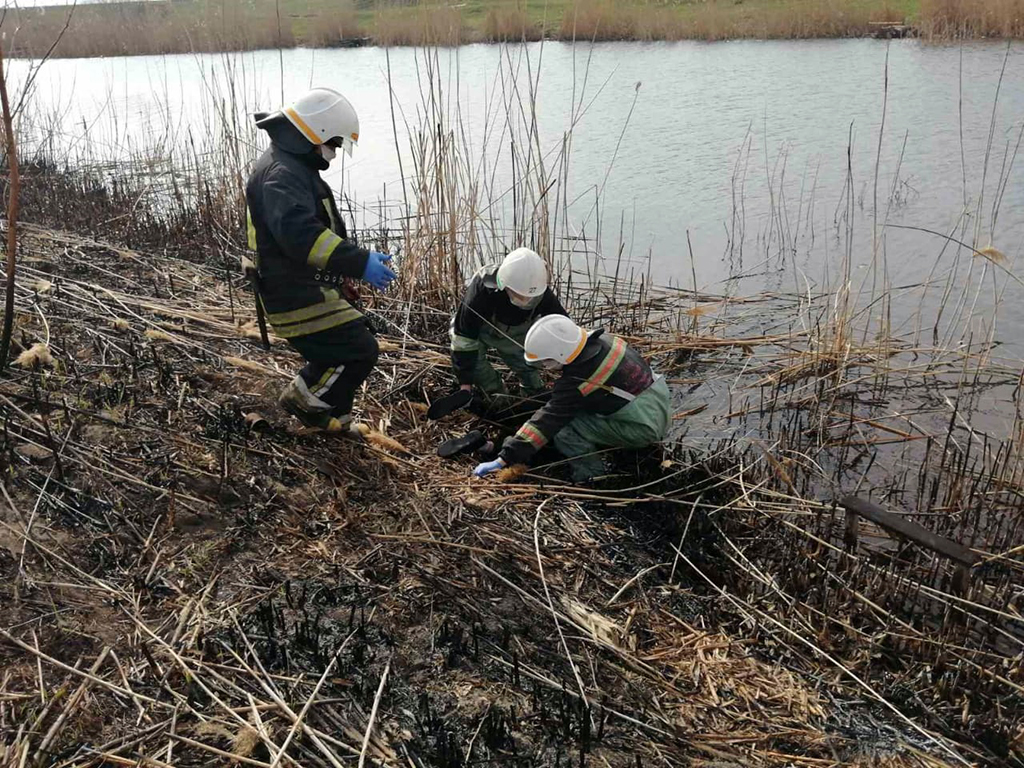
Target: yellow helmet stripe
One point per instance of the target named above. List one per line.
(299, 123)
(579, 347)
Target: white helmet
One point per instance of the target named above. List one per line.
(555, 338)
(523, 271)
(324, 114)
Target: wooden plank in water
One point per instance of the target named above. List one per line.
(909, 530)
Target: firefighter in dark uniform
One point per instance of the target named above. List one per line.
(607, 396)
(501, 304)
(306, 265)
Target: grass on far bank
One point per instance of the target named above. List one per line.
(126, 28)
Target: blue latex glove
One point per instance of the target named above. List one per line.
(482, 470)
(376, 273)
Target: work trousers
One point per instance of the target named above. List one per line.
(338, 361)
(643, 422)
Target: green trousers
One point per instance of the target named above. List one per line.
(643, 422)
(507, 341)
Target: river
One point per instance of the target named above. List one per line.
(725, 144)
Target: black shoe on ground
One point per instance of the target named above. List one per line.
(449, 404)
(468, 442)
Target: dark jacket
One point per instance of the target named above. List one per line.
(607, 376)
(300, 240)
(485, 302)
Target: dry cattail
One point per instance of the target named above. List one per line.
(245, 741)
(120, 324)
(385, 442)
(252, 331)
(513, 473)
(154, 335)
(35, 356)
(238, 362)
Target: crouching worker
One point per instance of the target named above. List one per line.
(607, 396)
(305, 261)
(501, 304)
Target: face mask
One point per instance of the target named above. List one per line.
(327, 152)
(523, 302)
(546, 365)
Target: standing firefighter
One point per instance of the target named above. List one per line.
(606, 397)
(499, 307)
(304, 260)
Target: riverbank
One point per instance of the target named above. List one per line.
(130, 28)
(208, 581)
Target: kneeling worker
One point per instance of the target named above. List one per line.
(606, 397)
(501, 304)
(304, 260)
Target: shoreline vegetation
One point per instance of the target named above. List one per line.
(184, 26)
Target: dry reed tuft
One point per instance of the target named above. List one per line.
(245, 741)
(993, 254)
(36, 356)
(423, 25)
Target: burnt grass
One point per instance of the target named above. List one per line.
(220, 571)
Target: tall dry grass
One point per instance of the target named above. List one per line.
(440, 25)
(324, 27)
(510, 24)
(125, 29)
(722, 20)
(946, 19)
(599, 20)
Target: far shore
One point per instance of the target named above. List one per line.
(186, 26)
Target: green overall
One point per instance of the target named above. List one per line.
(643, 422)
(507, 341)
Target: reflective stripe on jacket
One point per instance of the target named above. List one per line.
(302, 252)
(606, 376)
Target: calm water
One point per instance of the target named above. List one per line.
(705, 139)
